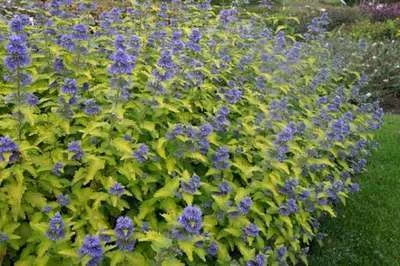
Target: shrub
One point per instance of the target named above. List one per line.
(155, 136)
(381, 12)
(338, 16)
(376, 31)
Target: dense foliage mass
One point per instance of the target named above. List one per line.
(170, 135)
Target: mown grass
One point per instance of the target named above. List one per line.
(367, 229)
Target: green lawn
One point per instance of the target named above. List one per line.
(367, 229)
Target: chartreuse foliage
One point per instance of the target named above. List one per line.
(171, 135)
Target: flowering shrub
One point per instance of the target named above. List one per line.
(380, 12)
(171, 135)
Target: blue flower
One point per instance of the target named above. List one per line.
(141, 153)
(289, 187)
(204, 145)
(46, 209)
(224, 188)
(8, 146)
(221, 121)
(339, 130)
(194, 39)
(122, 63)
(31, 99)
(62, 200)
(75, 147)
(66, 41)
(177, 43)
(134, 42)
(3, 237)
(258, 261)
(56, 227)
(233, 95)
(18, 23)
(80, 32)
(165, 61)
(58, 65)
(245, 205)
(288, 207)
(17, 53)
(92, 247)
(251, 230)
(282, 252)
(354, 187)
(70, 86)
(227, 16)
(119, 42)
(57, 169)
(191, 219)
(91, 107)
(123, 230)
(117, 190)
(125, 244)
(213, 249)
(221, 158)
(191, 186)
(124, 227)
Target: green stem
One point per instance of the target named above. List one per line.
(19, 128)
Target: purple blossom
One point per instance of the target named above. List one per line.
(282, 252)
(192, 185)
(289, 187)
(91, 107)
(233, 95)
(56, 228)
(117, 190)
(18, 23)
(92, 247)
(31, 99)
(70, 86)
(224, 188)
(258, 261)
(288, 207)
(177, 43)
(75, 148)
(122, 63)
(191, 219)
(251, 230)
(59, 65)
(205, 130)
(213, 249)
(227, 16)
(282, 150)
(354, 187)
(141, 153)
(67, 41)
(245, 205)
(194, 39)
(119, 42)
(8, 146)
(339, 130)
(57, 169)
(134, 42)
(124, 227)
(62, 200)
(204, 145)
(80, 32)
(46, 209)
(17, 53)
(3, 237)
(221, 158)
